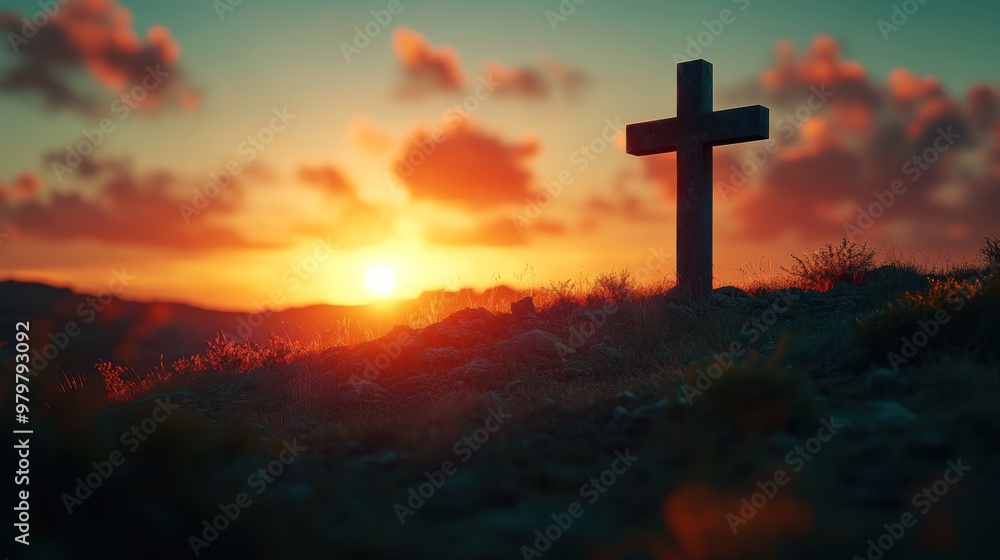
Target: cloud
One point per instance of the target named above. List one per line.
(498, 233)
(832, 159)
(527, 82)
(427, 68)
(125, 209)
(93, 38)
(368, 137)
(330, 179)
(570, 80)
(24, 187)
(431, 69)
(536, 82)
(463, 166)
(353, 223)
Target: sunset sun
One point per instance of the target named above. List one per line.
(380, 280)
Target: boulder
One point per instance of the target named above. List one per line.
(601, 352)
(678, 317)
(731, 291)
(461, 329)
(523, 308)
(535, 345)
(473, 372)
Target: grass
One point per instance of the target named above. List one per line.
(830, 265)
(566, 421)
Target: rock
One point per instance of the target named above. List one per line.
(461, 329)
(731, 291)
(678, 317)
(523, 308)
(535, 345)
(362, 390)
(415, 384)
(601, 352)
(885, 382)
(888, 415)
(626, 397)
(399, 346)
(620, 412)
(475, 371)
(445, 357)
(533, 323)
(656, 410)
(441, 335)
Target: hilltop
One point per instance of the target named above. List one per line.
(777, 421)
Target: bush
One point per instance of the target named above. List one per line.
(990, 251)
(824, 268)
(756, 395)
(952, 317)
(613, 287)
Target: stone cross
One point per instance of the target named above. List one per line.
(692, 134)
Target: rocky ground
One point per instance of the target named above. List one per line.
(796, 424)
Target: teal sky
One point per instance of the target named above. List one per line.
(266, 54)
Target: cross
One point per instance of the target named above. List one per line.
(692, 134)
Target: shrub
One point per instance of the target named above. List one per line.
(990, 251)
(825, 267)
(756, 395)
(614, 287)
(952, 317)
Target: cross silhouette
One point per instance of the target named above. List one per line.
(692, 134)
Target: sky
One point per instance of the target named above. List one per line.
(231, 153)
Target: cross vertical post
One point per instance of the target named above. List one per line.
(692, 134)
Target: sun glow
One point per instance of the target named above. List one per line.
(380, 280)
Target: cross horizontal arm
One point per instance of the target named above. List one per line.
(733, 126)
(653, 137)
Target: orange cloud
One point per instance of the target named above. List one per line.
(427, 68)
(353, 222)
(367, 136)
(463, 166)
(95, 36)
(127, 209)
(828, 160)
(517, 81)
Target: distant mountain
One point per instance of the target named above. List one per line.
(73, 331)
